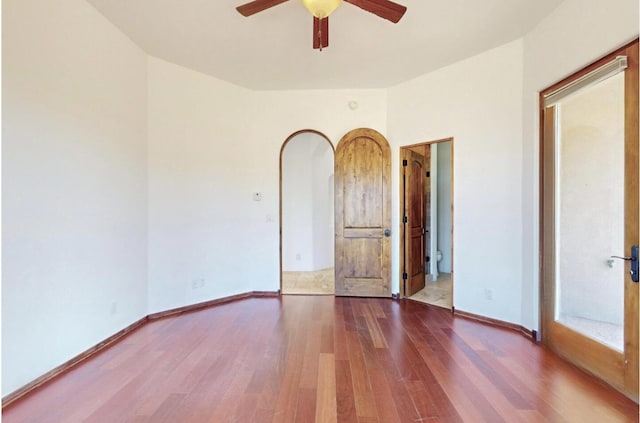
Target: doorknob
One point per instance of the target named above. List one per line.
(387, 232)
(635, 276)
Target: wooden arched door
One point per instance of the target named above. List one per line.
(363, 215)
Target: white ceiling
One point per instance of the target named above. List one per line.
(273, 49)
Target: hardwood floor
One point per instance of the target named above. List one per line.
(323, 359)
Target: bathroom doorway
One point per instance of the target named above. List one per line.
(426, 222)
(307, 214)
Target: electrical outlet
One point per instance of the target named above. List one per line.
(488, 294)
(298, 257)
(197, 283)
(114, 307)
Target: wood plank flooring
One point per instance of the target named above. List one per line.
(323, 359)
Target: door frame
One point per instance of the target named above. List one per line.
(547, 235)
(402, 252)
(284, 144)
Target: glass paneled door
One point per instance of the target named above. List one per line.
(590, 219)
(590, 212)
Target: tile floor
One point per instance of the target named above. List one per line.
(321, 282)
(436, 293)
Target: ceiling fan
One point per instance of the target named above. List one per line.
(321, 9)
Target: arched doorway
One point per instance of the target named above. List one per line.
(307, 214)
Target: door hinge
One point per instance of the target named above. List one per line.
(428, 259)
(424, 231)
(428, 174)
(405, 163)
(405, 276)
(405, 219)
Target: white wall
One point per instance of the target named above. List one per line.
(211, 145)
(433, 212)
(322, 210)
(444, 205)
(574, 35)
(307, 212)
(206, 234)
(300, 192)
(478, 102)
(297, 202)
(73, 186)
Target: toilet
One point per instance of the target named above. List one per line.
(434, 267)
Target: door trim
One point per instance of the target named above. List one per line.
(401, 213)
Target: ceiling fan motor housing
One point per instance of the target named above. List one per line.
(321, 8)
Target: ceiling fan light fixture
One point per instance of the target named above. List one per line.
(321, 8)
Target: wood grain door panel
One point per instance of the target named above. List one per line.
(363, 184)
(414, 178)
(362, 206)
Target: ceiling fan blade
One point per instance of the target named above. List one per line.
(386, 9)
(320, 33)
(256, 6)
